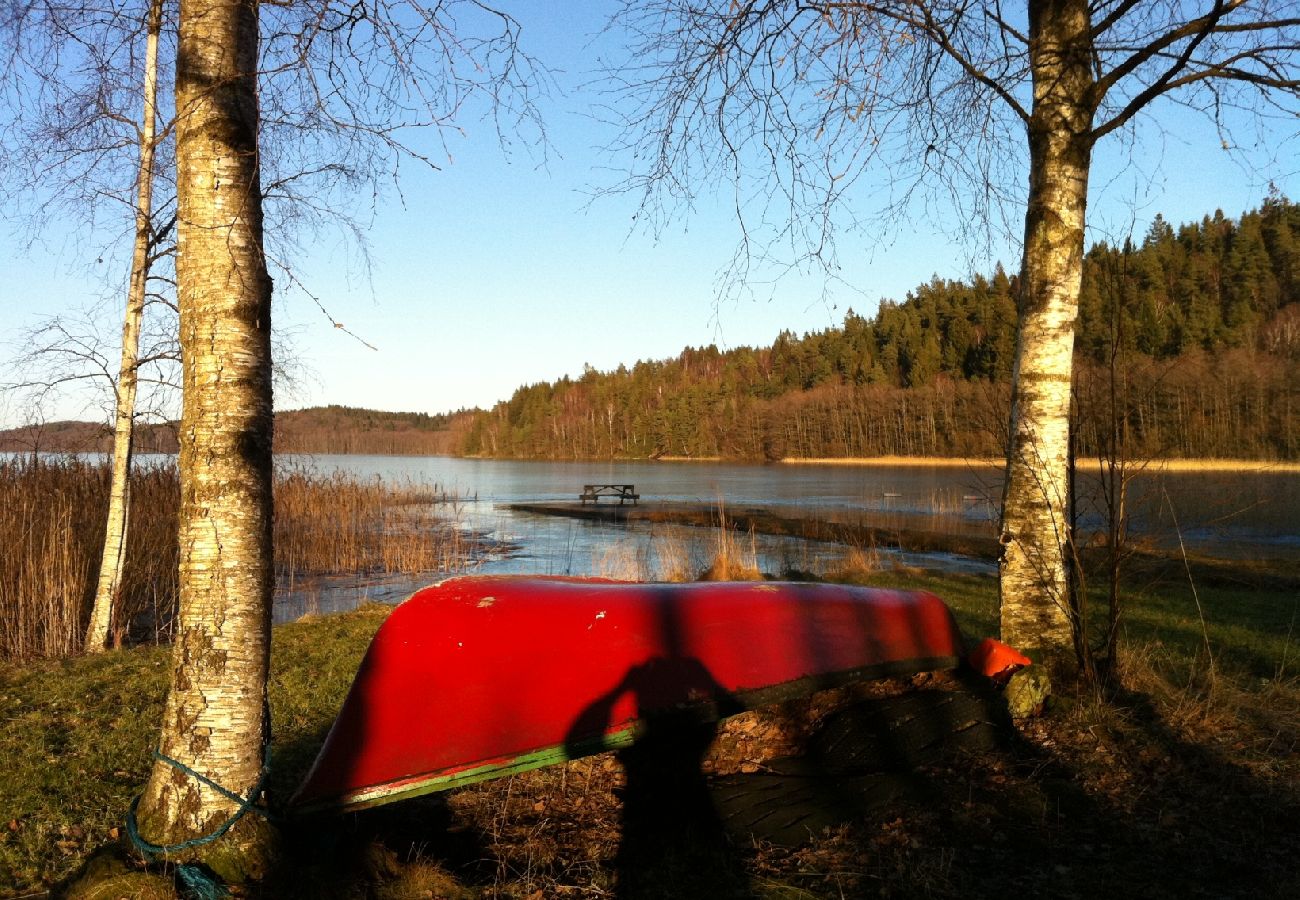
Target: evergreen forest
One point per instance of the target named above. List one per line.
(1188, 345)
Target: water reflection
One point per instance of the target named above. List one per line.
(1226, 514)
(1223, 514)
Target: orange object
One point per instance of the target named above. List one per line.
(996, 660)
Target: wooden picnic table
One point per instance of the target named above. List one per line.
(623, 492)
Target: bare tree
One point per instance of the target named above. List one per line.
(109, 587)
(820, 113)
(346, 89)
(76, 151)
(366, 77)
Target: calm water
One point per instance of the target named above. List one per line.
(1229, 514)
(1233, 515)
(1226, 514)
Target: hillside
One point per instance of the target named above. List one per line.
(327, 429)
(343, 429)
(1203, 322)
(1196, 329)
(83, 437)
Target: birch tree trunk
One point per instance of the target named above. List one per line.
(109, 589)
(1035, 606)
(214, 718)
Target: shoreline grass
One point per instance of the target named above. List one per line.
(52, 524)
(890, 461)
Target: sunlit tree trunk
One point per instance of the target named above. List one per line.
(109, 588)
(214, 716)
(1035, 529)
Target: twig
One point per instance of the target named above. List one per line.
(1205, 632)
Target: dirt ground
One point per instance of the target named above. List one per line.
(905, 788)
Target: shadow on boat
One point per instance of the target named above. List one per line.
(672, 841)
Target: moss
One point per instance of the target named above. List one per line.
(1027, 692)
(110, 875)
(247, 853)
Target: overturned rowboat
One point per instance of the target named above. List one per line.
(479, 677)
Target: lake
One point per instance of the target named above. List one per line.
(1233, 515)
(1224, 514)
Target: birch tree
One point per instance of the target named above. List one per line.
(82, 144)
(355, 70)
(346, 90)
(113, 559)
(214, 719)
(818, 114)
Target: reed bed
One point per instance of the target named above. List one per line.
(52, 530)
(679, 554)
(336, 524)
(735, 557)
(673, 554)
(52, 515)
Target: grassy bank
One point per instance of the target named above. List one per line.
(1185, 785)
(52, 530)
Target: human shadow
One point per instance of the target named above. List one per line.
(673, 843)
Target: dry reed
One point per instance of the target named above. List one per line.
(667, 556)
(857, 564)
(733, 559)
(621, 561)
(52, 530)
(52, 515)
(336, 524)
(672, 555)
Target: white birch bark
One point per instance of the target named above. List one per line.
(1035, 527)
(214, 715)
(109, 588)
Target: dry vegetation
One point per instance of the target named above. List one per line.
(52, 527)
(339, 524)
(52, 532)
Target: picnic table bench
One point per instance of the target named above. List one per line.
(623, 492)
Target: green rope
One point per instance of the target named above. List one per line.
(245, 805)
(196, 881)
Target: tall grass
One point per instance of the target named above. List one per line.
(52, 530)
(336, 524)
(678, 554)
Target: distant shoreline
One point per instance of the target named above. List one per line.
(1200, 464)
(1164, 465)
(935, 461)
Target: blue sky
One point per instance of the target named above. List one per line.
(498, 271)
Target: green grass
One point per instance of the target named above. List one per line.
(1254, 632)
(78, 733)
(972, 598)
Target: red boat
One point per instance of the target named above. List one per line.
(479, 677)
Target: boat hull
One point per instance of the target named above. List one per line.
(479, 677)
